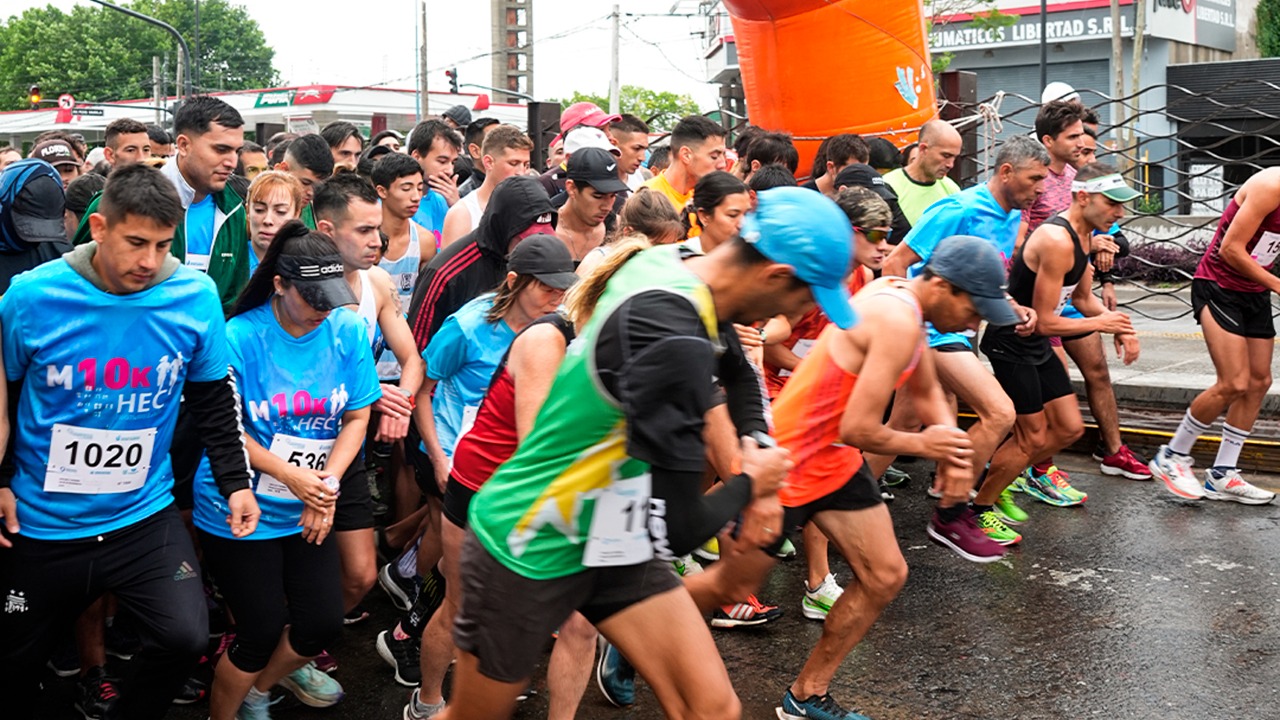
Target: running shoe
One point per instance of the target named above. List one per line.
(817, 602)
(1062, 481)
(65, 662)
(963, 536)
(886, 494)
(97, 698)
(615, 676)
(357, 615)
(1174, 469)
(989, 522)
(1226, 484)
(312, 687)
(193, 691)
(816, 707)
(685, 566)
(1045, 488)
(787, 550)
(751, 613)
(402, 655)
(1124, 462)
(401, 590)
(709, 551)
(415, 710)
(1008, 510)
(256, 706)
(893, 477)
(326, 663)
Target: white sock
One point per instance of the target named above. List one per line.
(407, 565)
(1232, 443)
(1188, 431)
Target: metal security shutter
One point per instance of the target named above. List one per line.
(1089, 78)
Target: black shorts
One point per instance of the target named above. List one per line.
(952, 347)
(1240, 313)
(354, 510)
(423, 471)
(457, 501)
(506, 619)
(1031, 386)
(859, 493)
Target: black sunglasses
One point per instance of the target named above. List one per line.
(875, 235)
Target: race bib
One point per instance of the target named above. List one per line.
(801, 349)
(89, 461)
(1268, 247)
(198, 262)
(469, 414)
(1064, 297)
(298, 452)
(620, 525)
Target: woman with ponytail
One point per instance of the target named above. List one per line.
(306, 379)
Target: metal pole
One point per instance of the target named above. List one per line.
(1044, 45)
(614, 89)
(155, 85)
(186, 52)
(194, 68)
(423, 98)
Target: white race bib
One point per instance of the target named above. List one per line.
(198, 262)
(620, 525)
(298, 452)
(89, 461)
(1063, 298)
(1268, 247)
(801, 350)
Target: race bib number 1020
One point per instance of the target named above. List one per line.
(90, 461)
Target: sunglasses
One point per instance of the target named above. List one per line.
(875, 235)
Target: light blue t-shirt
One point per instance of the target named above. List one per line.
(462, 357)
(431, 212)
(253, 259)
(292, 390)
(969, 212)
(102, 379)
(199, 228)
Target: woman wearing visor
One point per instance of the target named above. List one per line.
(306, 381)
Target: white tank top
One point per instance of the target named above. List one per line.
(404, 272)
(472, 202)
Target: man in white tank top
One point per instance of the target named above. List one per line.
(505, 152)
(398, 181)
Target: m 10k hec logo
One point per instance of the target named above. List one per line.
(95, 378)
(308, 411)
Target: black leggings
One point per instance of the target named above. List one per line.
(269, 584)
(150, 566)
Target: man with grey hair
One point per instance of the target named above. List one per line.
(924, 181)
(992, 211)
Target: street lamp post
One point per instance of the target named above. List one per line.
(186, 53)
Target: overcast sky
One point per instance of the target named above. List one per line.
(661, 53)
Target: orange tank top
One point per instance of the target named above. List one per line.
(807, 414)
(805, 333)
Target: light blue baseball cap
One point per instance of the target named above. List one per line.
(806, 230)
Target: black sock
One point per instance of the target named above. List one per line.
(429, 599)
(950, 514)
(979, 509)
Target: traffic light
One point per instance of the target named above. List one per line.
(452, 74)
(34, 96)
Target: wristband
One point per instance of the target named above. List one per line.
(411, 397)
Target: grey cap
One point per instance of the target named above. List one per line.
(973, 265)
(460, 114)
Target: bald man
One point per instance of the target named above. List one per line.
(924, 181)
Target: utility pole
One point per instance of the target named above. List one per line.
(1044, 45)
(614, 90)
(1139, 27)
(155, 85)
(183, 79)
(1117, 70)
(423, 110)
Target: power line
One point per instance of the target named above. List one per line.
(664, 55)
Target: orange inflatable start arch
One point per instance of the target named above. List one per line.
(816, 68)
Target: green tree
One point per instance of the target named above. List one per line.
(98, 54)
(985, 17)
(1269, 28)
(665, 108)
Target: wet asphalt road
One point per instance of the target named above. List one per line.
(1135, 605)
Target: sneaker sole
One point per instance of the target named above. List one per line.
(943, 541)
(384, 651)
(784, 715)
(730, 623)
(1171, 486)
(1010, 521)
(308, 699)
(704, 555)
(398, 597)
(600, 684)
(1047, 500)
(813, 612)
(1227, 497)
(1120, 472)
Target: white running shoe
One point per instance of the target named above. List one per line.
(1230, 486)
(817, 602)
(1175, 470)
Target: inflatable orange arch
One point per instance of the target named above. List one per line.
(817, 68)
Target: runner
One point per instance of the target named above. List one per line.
(461, 362)
(696, 149)
(990, 211)
(472, 160)
(435, 146)
(274, 199)
(345, 143)
(309, 160)
(842, 151)
(645, 213)
(831, 410)
(1051, 267)
(550, 526)
(124, 332)
(1231, 299)
(715, 211)
(925, 181)
(307, 381)
(505, 152)
(591, 186)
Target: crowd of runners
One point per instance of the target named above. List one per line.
(246, 383)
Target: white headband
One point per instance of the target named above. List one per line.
(1099, 184)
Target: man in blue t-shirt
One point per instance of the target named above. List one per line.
(125, 333)
(990, 211)
(435, 146)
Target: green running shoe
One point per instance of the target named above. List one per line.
(893, 477)
(1060, 480)
(787, 550)
(989, 522)
(1008, 510)
(1042, 488)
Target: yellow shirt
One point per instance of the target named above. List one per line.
(658, 183)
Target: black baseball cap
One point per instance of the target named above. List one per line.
(37, 207)
(546, 258)
(319, 280)
(974, 266)
(597, 168)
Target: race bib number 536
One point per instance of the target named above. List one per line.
(90, 461)
(298, 452)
